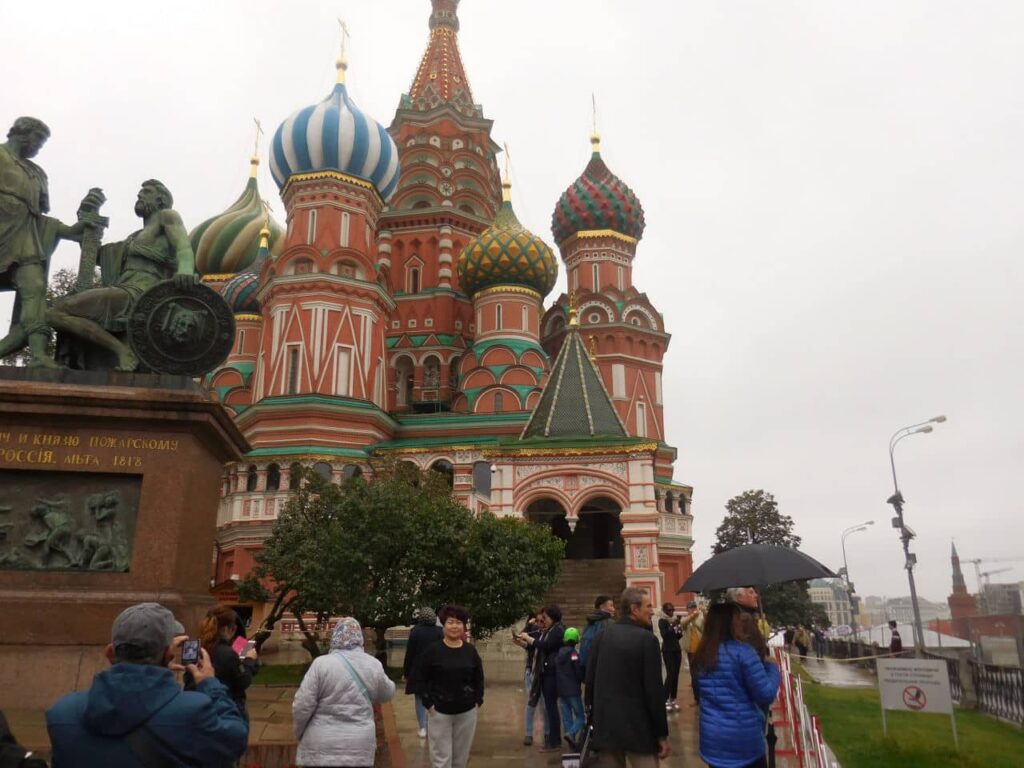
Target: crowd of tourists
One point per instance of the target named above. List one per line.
(608, 690)
(611, 689)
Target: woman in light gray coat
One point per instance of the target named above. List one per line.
(333, 708)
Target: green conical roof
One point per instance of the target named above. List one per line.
(574, 402)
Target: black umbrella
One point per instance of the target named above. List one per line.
(754, 565)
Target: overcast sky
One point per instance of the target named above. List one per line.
(832, 192)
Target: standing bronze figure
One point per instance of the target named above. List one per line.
(28, 237)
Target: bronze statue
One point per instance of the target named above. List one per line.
(157, 252)
(28, 237)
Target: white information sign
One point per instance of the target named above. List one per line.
(915, 685)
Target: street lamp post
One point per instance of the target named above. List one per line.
(906, 533)
(846, 568)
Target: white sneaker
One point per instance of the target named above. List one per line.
(422, 733)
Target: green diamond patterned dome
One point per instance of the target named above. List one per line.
(506, 253)
(229, 242)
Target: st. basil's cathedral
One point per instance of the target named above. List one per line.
(400, 314)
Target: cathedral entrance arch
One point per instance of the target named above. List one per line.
(550, 512)
(598, 534)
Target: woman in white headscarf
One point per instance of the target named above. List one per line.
(333, 709)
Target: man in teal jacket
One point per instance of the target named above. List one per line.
(135, 714)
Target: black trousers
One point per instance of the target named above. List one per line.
(549, 685)
(673, 663)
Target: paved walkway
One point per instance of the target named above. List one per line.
(498, 742)
(842, 674)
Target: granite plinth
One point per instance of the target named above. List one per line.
(160, 443)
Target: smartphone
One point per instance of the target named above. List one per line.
(249, 645)
(190, 652)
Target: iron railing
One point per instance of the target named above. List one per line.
(1000, 691)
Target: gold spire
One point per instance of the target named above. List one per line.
(595, 137)
(254, 161)
(342, 63)
(506, 184)
(265, 230)
(573, 321)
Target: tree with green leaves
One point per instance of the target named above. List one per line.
(753, 517)
(377, 548)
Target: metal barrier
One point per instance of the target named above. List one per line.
(804, 729)
(1000, 691)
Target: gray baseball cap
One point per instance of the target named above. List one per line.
(147, 626)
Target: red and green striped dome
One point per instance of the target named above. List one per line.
(597, 200)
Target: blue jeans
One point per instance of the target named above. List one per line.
(572, 715)
(421, 712)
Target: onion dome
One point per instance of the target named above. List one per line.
(240, 292)
(335, 135)
(506, 253)
(597, 200)
(230, 242)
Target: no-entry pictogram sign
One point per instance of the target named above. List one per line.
(915, 685)
(914, 698)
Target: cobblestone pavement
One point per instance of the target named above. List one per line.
(499, 732)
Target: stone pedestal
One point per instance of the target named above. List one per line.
(109, 485)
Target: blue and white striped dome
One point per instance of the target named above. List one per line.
(335, 135)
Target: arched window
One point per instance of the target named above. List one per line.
(273, 477)
(526, 318)
(499, 401)
(497, 316)
(482, 478)
(294, 476)
(597, 277)
(250, 478)
(323, 469)
(414, 280)
(445, 468)
(350, 472)
(453, 373)
(431, 373)
(669, 503)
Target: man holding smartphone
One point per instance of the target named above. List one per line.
(135, 713)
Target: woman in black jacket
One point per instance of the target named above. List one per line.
(671, 653)
(424, 633)
(217, 634)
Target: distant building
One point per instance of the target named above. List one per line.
(999, 598)
(831, 595)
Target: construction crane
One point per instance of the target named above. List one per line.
(977, 561)
(986, 574)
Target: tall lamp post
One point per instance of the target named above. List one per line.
(906, 533)
(846, 568)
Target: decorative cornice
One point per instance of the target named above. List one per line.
(432, 449)
(248, 316)
(508, 289)
(595, 233)
(217, 278)
(556, 451)
(297, 178)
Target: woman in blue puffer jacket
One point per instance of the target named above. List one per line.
(735, 688)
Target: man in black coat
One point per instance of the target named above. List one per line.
(544, 680)
(624, 690)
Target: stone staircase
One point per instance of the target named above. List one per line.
(580, 582)
(574, 592)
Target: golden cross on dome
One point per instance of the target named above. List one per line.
(342, 64)
(595, 137)
(255, 159)
(506, 185)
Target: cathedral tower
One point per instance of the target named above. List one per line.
(597, 224)
(448, 192)
(962, 604)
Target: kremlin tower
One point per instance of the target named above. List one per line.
(962, 604)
